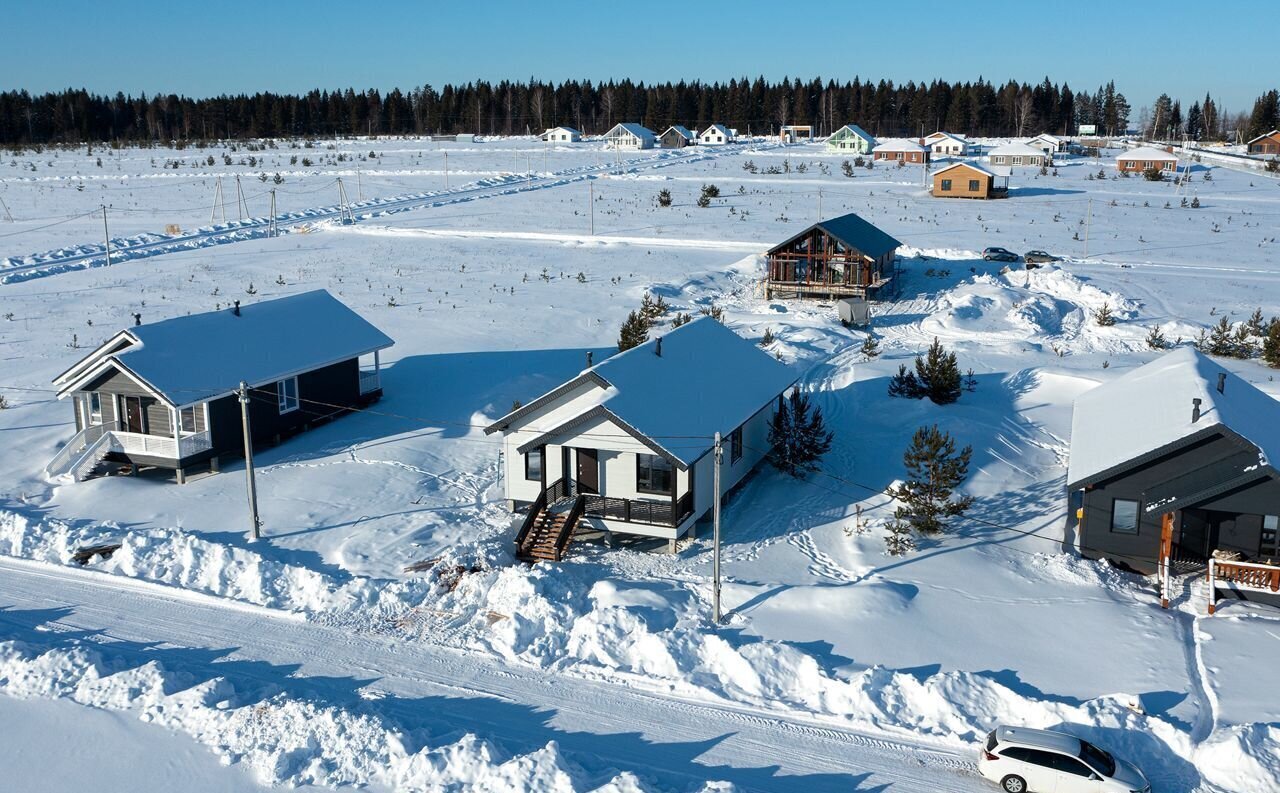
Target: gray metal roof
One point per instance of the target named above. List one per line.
(854, 232)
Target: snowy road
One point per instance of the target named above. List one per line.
(600, 726)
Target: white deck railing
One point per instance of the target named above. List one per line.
(370, 380)
(83, 452)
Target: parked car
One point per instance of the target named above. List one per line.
(999, 255)
(1023, 760)
(1040, 257)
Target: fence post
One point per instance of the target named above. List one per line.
(1213, 592)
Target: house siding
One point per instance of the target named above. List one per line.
(1141, 550)
(960, 178)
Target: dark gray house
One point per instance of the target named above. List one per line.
(164, 395)
(1174, 463)
(676, 137)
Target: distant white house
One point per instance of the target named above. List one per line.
(1013, 154)
(629, 136)
(851, 138)
(715, 135)
(1049, 144)
(946, 144)
(626, 446)
(562, 135)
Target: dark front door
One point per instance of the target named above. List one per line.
(132, 414)
(588, 471)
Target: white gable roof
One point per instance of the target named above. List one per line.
(1045, 136)
(1147, 153)
(1016, 150)
(720, 128)
(638, 130)
(934, 137)
(1149, 408)
(570, 130)
(857, 131)
(1272, 134)
(708, 379)
(203, 356)
(899, 144)
(989, 170)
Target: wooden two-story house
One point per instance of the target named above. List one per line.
(844, 256)
(164, 395)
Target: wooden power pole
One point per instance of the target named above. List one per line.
(248, 460)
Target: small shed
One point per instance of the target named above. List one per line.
(854, 311)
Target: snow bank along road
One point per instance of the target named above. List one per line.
(36, 265)
(671, 743)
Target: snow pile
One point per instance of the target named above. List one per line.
(174, 557)
(285, 740)
(1245, 757)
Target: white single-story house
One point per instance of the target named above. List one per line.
(901, 150)
(1019, 154)
(562, 135)
(852, 138)
(1049, 144)
(715, 135)
(626, 447)
(946, 144)
(629, 136)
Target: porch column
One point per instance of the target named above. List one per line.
(377, 365)
(1166, 552)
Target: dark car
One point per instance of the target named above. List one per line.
(999, 255)
(1040, 257)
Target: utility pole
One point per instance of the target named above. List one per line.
(446, 170)
(218, 202)
(8, 215)
(591, 201)
(359, 186)
(1088, 222)
(248, 460)
(241, 207)
(272, 229)
(106, 235)
(819, 204)
(715, 537)
(344, 213)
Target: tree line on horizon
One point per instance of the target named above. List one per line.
(883, 108)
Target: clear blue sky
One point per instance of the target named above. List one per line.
(233, 46)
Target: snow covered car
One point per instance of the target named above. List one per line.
(1023, 760)
(1039, 257)
(999, 255)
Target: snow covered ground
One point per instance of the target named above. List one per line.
(481, 290)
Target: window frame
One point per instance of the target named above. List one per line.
(975, 185)
(946, 185)
(1137, 516)
(95, 413)
(541, 452)
(735, 445)
(285, 402)
(1269, 549)
(182, 420)
(644, 484)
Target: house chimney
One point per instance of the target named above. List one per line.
(1222, 382)
(657, 347)
(1195, 410)
(235, 309)
(137, 320)
(588, 359)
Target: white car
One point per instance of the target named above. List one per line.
(1022, 760)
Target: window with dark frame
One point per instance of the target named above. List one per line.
(973, 186)
(95, 407)
(533, 465)
(1124, 516)
(735, 445)
(946, 185)
(287, 393)
(1269, 545)
(188, 416)
(654, 474)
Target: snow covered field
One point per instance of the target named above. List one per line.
(480, 288)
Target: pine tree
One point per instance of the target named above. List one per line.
(798, 436)
(635, 331)
(847, 168)
(1271, 344)
(680, 318)
(898, 540)
(664, 197)
(651, 308)
(1103, 316)
(934, 470)
(1221, 339)
(939, 374)
(1156, 339)
(904, 384)
(870, 346)
(1256, 325)
(703, 201)
(768, 337)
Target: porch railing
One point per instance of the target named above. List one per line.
(66, 457)
(83, 452)
(370, 380)
(1249, 576)
(627, 510)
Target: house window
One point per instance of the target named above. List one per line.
(973, 186)
(1124, 516)
(735, 445)
(533, 465)
(1269, 547)
(287, 392)
(654, 474)
(188, 416)
(946, 185)
(1017, 160)
(95, 408)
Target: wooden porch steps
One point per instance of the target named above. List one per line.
(541, 543)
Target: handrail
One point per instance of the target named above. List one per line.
(629, 510)
(89, 458)
(69, 454)
(570, 523)
(1250, 575)
(539, 504)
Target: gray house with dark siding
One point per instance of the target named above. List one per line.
(165, 395)
(1175, 462)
